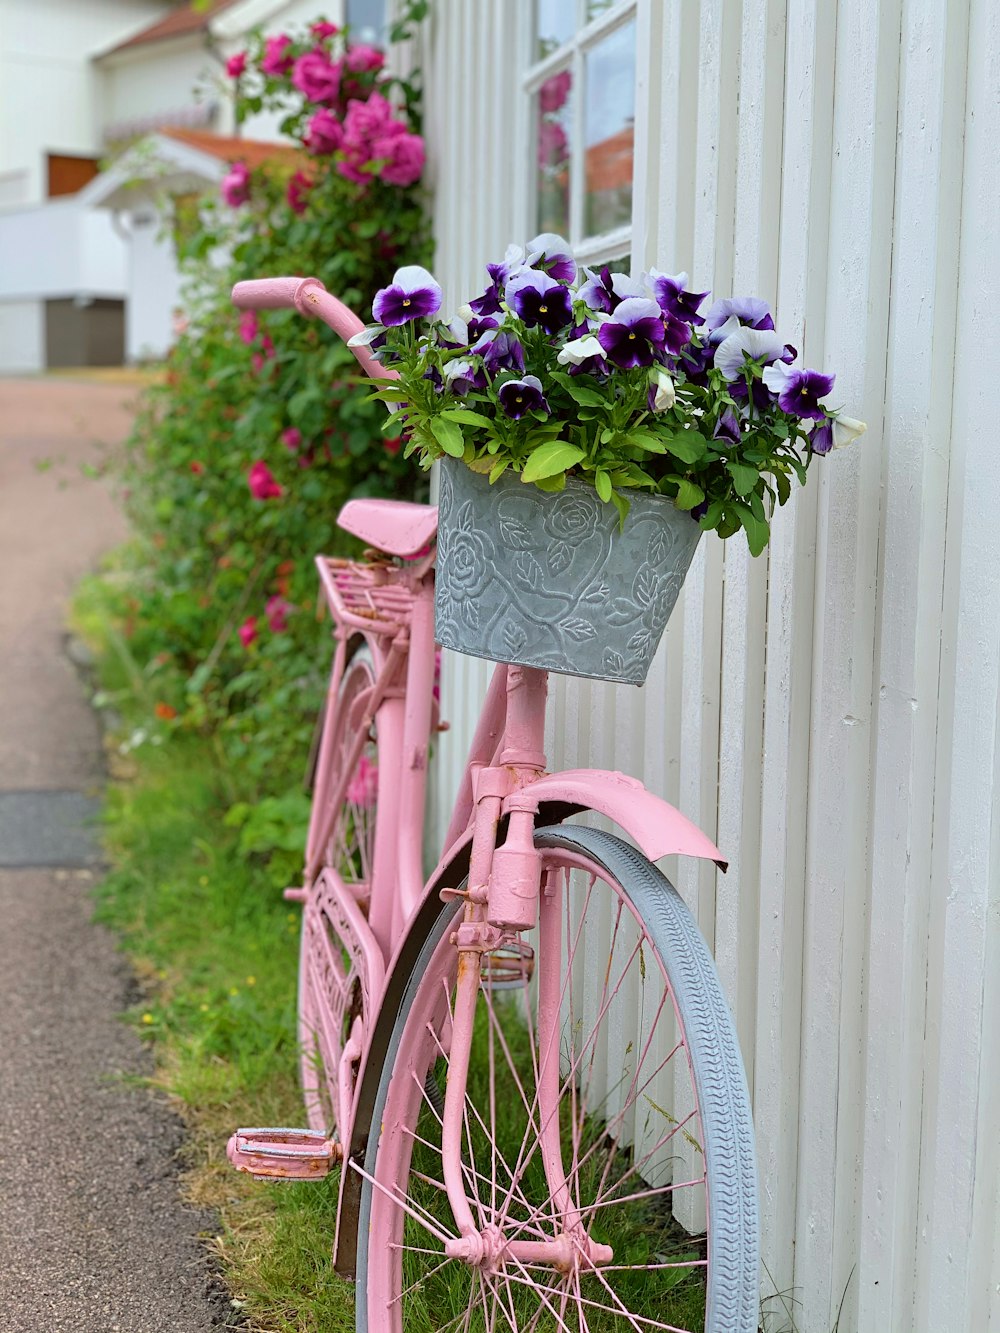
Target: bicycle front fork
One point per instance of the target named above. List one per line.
(506, 895)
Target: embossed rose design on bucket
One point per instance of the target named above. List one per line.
(547, 580)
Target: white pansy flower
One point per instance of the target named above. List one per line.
(664, 396)
(580, 350)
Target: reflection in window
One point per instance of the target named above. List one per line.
(555, 23)
(609, 131)
(366, 20)
(553, 118)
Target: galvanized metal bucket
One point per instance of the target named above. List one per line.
(547, 579)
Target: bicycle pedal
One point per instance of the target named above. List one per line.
(276, 1153)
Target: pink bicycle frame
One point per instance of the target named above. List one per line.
(505, 792)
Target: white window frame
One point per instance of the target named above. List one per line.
(571, 55)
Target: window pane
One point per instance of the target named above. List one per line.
(595, 7)
(366, 20)
(555, 23)
(609, 127)
(553, 116)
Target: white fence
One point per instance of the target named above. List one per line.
(830, 711)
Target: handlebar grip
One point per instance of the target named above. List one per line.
(273, 293)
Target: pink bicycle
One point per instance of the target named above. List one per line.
(524, 1064)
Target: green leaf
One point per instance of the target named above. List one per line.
(688, 494)
(687, 445)
(712, 515)
(467, 418)
(645, 439)
(448, 435)
(602, 484)
(585, 397)
(550, 459)
(556, 483)
(756, 529)
(784, 486)
(499, 469)
(744, 478)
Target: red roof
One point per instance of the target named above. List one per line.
(251, 151)
(184, 19)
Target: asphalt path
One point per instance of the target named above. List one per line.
(94, 1237)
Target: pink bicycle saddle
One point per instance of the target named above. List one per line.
(394, 526)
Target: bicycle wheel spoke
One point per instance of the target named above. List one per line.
(577, 1113)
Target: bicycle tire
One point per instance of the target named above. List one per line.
(731, 1278)
(321, 993)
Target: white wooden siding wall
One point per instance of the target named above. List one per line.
(830, 712)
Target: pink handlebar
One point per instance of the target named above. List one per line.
(309, 297)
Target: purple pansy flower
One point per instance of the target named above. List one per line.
(633, 333)
(519, 397)
(799, 391)
(500, 351)
(414, 294)
(539, 300)
(606, 292)
(821, 438)
(733, 352)
(672, 298)
(695, 362)
(489, 302)
(728, 427)
(677, 334)
(749, 310)
(462, 377)
(551, 254)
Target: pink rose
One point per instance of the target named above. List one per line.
(298, 192)
(371, 119)
(324, 29)
(274, 61)
(249, 326)
(363, 59)
(236, 186)
(261, 481)
(317, 77)
(277, 610)
(324, 133)
(404, 154)
(248, 631)
(291, 438)
(236, 64)
(554, 91)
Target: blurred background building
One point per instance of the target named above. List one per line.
(87, 272)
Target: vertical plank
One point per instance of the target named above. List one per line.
(801, 298)
(921, 359)
(962, 1038)
(867, 45)
(758, 172)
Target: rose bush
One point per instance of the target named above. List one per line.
(259, 431)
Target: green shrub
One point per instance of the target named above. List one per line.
(261, 427)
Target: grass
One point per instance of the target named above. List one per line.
(215, 948)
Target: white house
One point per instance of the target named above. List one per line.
(80, 80)
(829, 712)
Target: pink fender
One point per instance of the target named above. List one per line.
(658, 829)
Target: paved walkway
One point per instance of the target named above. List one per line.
(93, 1237)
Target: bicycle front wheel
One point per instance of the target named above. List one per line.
(654, 1125)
